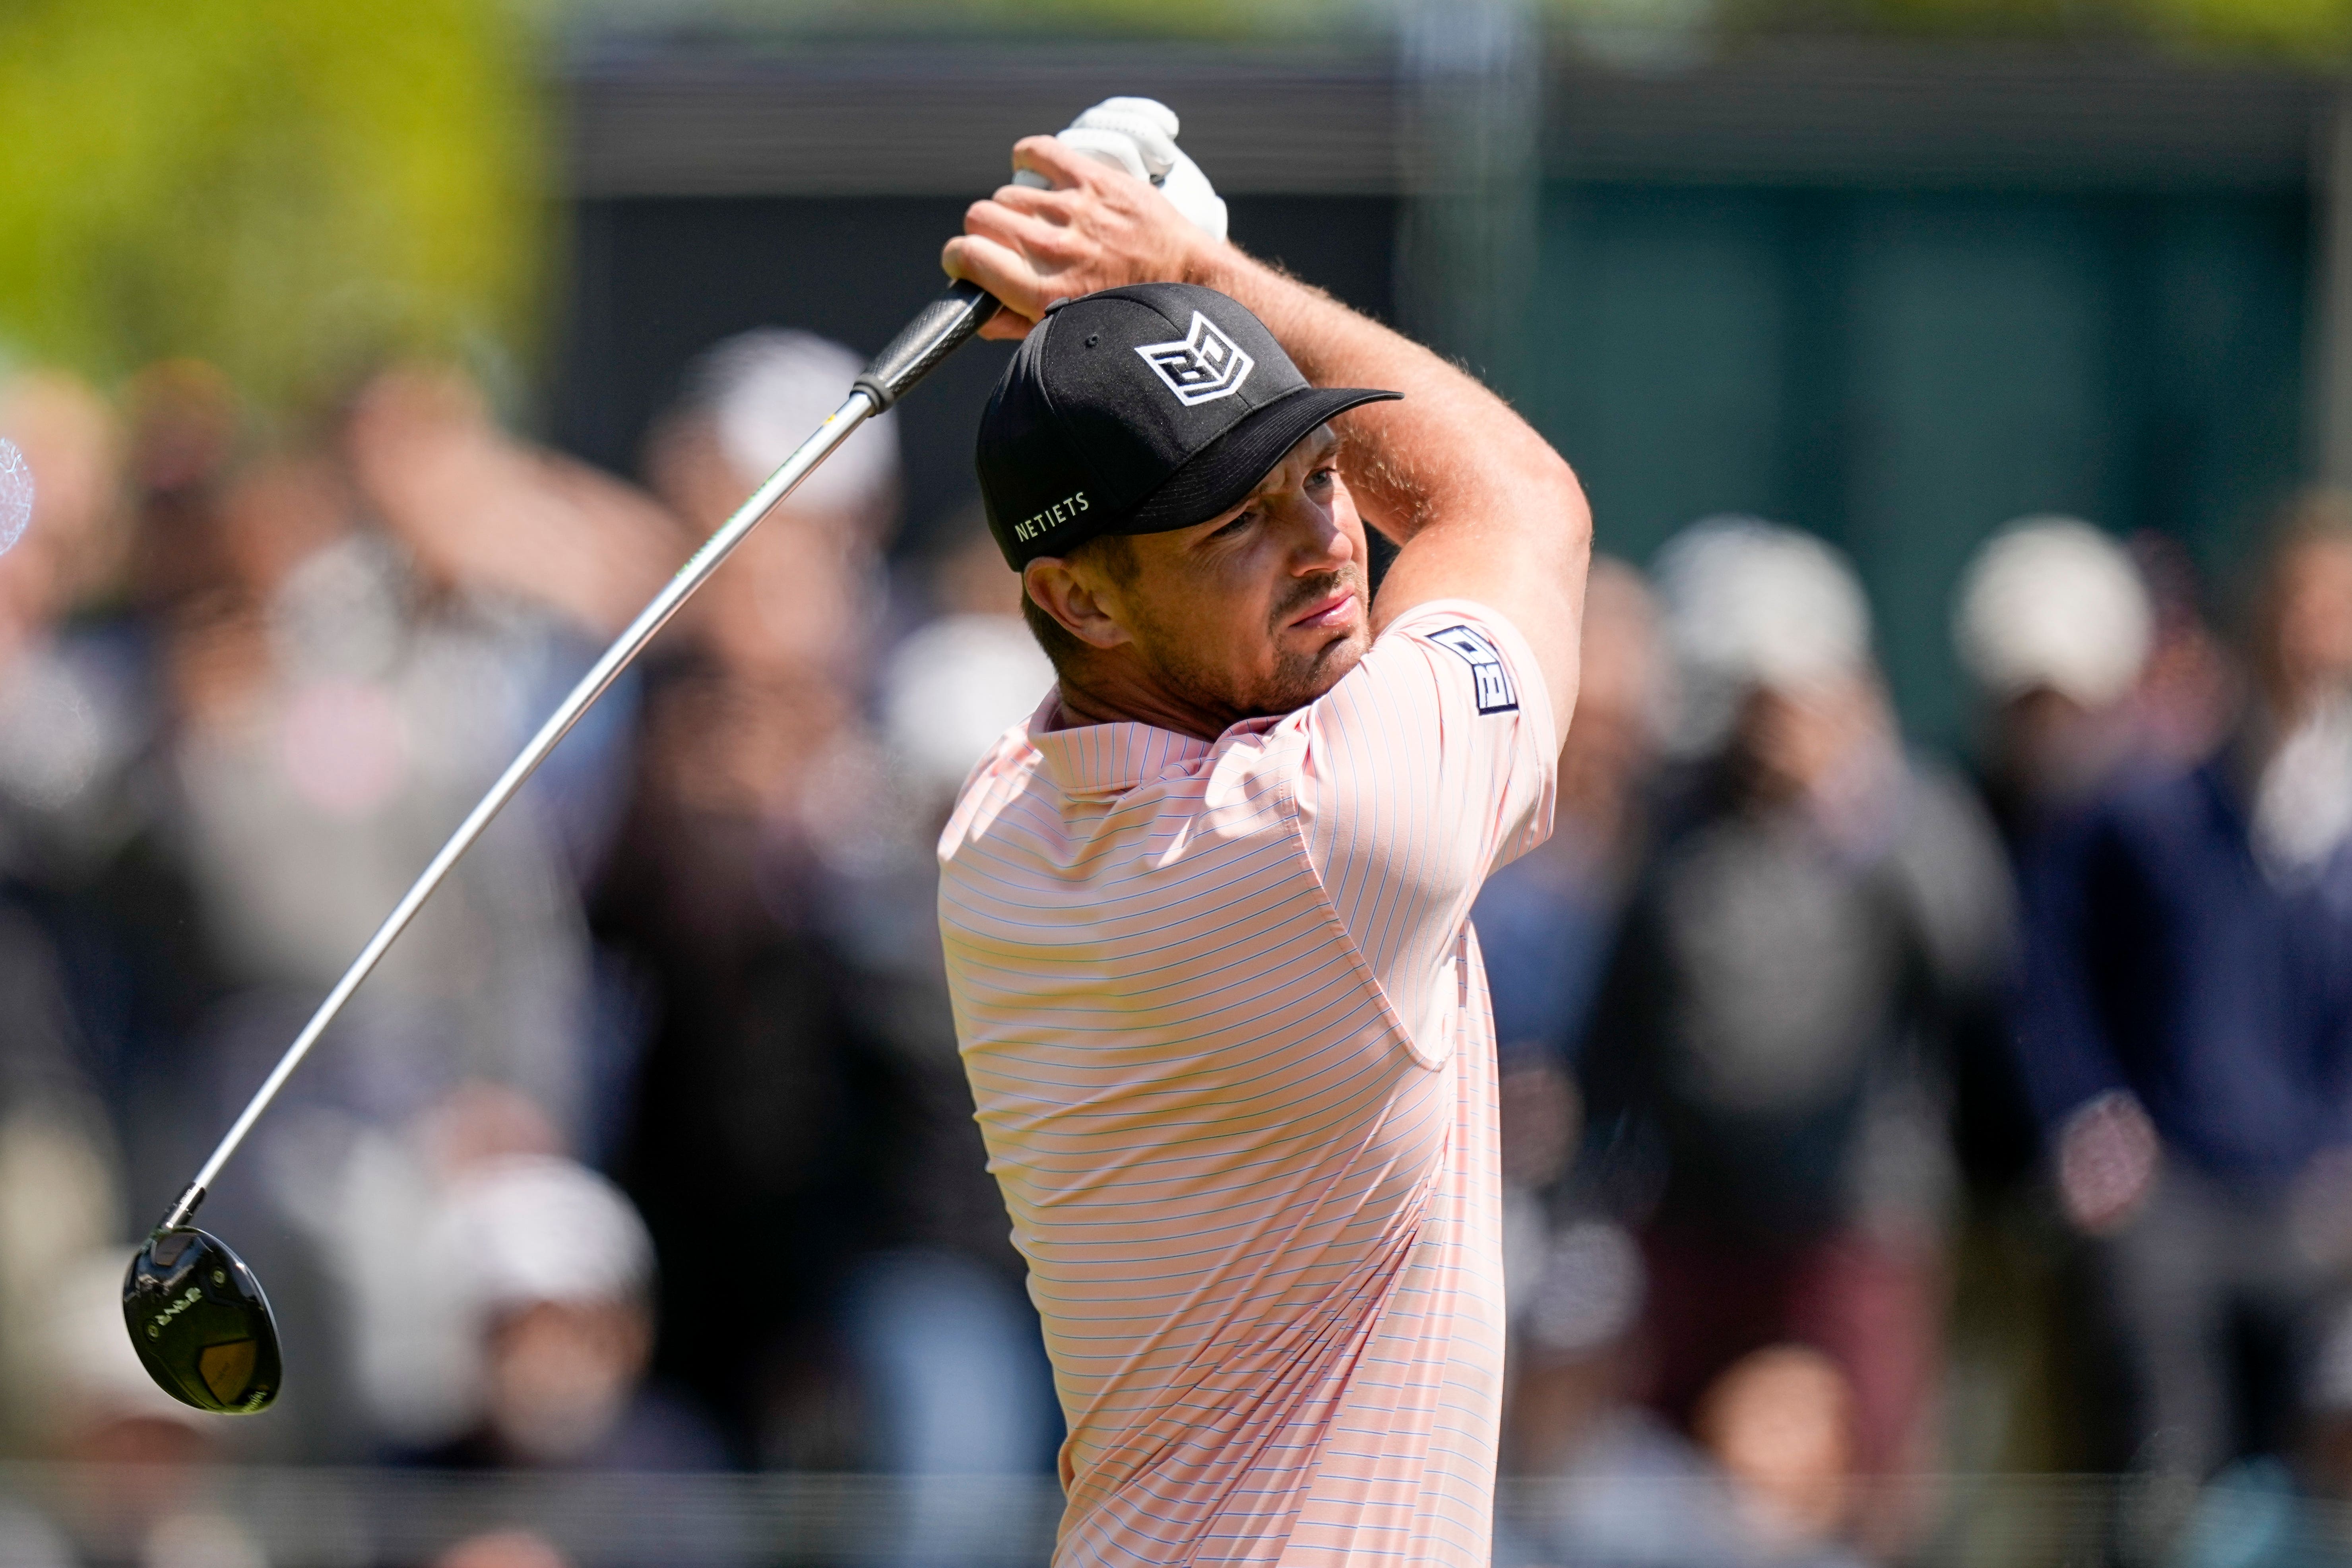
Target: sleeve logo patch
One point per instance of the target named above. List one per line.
(1492, 680)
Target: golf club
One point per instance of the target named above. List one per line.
(196, 1314)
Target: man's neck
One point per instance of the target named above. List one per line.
(1100, 698)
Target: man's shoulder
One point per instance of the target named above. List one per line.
(1000, 776)
(1478, 657)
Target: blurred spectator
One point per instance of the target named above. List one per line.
(99, 1407)
(412, 1361)
(69, 721)
(502, 1549)
(1769, 1486)
(1544, 924)
(542, 1274)
(1819, 918)
(2190, 689)
(747, 1118)
(2187, 1029)
(946, 692)
(93, 1400)
(775, 888)
(948, 1346)
(488, 517)
(2054, 627)
(70, 718)
(68, 732)
(60, 1190)
(797, 601)
(554, 1275)
(2325, 1441)
(1780, 1423)
(395, 671)
(1572, 1306)
(2265, 1511)
(357, 633)
(186, 426)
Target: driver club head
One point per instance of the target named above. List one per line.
(200, 1323)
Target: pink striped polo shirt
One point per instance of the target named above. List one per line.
(1227, 1029)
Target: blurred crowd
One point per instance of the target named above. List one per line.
(1874, 1120)
(648, 1148)
(1866, 1117)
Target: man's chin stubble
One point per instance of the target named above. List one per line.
(1295, 680)
(1301, 679)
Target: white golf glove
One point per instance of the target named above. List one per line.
(1139, 135)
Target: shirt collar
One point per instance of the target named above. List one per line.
(1108, 759)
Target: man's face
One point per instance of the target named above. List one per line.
(1259, 610)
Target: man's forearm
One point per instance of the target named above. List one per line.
(1451, 447)
(1484, 509)
(1483, 506)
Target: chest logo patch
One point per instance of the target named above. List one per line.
(1490, 679)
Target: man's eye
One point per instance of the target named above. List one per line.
(1236, 526)
(1323, 476)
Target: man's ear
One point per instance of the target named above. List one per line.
(1077, 606)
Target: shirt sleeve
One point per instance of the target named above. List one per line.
(1430, 765)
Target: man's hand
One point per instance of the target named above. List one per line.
(1092, 227)
(1139, 135)
(2108, 1154)
(1484, 509)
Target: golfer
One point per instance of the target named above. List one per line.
(1206, 912)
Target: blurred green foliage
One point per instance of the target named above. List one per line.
(2315, 33)
(278, 186)
(2311, 32)
(271, 184)
(757, 22)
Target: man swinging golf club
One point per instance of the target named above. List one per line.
(1205, 912)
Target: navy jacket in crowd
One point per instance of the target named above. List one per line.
(2159, 958)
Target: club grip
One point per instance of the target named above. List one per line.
(944, 325)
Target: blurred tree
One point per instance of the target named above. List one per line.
(2311, 32)
(1015, 19)
(2307, 31)
(271, 184)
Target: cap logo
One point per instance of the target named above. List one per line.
(1203, 366)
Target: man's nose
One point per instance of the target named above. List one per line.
(1322, 545)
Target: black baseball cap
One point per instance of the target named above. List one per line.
(1139, 410)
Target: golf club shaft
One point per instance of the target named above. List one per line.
(944, 325)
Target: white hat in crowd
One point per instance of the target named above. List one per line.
(1747, 603)
(528, 1228)
(952, 688)
(2052, 604)
(767, 391)
(91, 1371)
